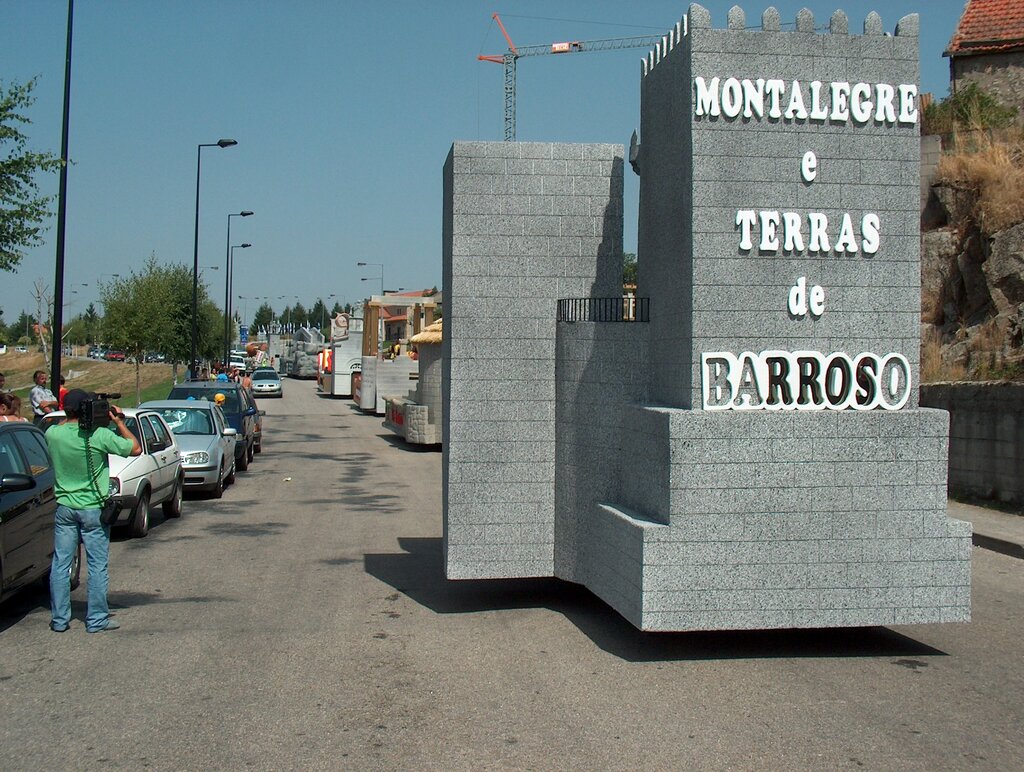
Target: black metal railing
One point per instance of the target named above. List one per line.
(624, 309)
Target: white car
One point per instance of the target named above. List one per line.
(139, 483)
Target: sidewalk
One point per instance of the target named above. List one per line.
(994, 530)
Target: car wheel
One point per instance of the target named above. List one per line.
(252, 451)
(242, 463)
(230, 479)
(140, 518)
(258, 447)
(172, 507)
(218, 488)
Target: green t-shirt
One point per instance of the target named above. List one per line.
(74, 488)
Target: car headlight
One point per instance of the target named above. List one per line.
(199, 457)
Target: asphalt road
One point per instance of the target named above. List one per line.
(306, 624)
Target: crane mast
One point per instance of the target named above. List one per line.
(509, 58)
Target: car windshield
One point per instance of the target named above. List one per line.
(183, 420)
(266, 375)
(206, 395)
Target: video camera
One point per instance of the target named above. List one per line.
(93, 413)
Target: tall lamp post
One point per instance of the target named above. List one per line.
(227, 283)
(381, 274)
(231, 282)
(62, 196)
(222, 143)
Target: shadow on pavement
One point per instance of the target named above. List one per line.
(419, 573)
(410, 447)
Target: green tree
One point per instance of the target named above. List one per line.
(299, 314)
(338, 308)
(91, 321)
(23, 330)
(629, 268)
(264, 316)
(151, 310)
(970, 108)
(22, 208)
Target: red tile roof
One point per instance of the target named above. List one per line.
(989, 26)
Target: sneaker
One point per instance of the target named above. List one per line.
(111, 625)
(58, 629)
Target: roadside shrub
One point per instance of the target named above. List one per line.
(971, 108)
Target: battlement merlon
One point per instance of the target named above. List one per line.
(699, 17)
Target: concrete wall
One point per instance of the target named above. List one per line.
(524, 225)
(986, 438)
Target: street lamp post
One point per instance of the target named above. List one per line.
(230, 282)
(222, 143)
(227, 283)
(381, 274)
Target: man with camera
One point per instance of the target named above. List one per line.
(79, 447)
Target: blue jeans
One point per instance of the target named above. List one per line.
(70, 526)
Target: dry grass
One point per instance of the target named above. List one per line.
(934, 369)
(88, 374)
(991, 166)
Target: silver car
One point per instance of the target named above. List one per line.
(206, 442)
(266, 383)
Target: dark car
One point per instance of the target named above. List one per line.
(239, 408)
(27, 507)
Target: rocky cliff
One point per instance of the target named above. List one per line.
(972, 291)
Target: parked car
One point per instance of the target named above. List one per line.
(239, 408)
(114, 356)
(266, 383)
(27, 506)
(21, 349)
(138, 483)
(205, 440)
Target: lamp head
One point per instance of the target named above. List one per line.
(245, 213)
(226, 142)
(246, 246)
(360, 263)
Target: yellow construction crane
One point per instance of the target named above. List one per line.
(508, 60)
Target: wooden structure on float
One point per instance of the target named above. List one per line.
(382, 375)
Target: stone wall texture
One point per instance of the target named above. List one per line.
(1002, 75)
(524, 225)
(986, 438)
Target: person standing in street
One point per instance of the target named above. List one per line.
(83, 479)
(42, 398)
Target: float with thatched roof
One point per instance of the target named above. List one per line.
(418, 417)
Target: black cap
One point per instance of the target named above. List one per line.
(74, 399)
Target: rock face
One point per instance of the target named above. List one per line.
(972, 286)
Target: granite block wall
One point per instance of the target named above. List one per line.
(524, 225)
(986, 438)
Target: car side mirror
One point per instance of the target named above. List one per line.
(229, 431)
(251, 411)
(14, 481)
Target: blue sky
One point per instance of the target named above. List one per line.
(344, 112)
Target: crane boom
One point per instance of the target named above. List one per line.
(509, 58)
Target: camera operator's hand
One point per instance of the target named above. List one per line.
(117, 418)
